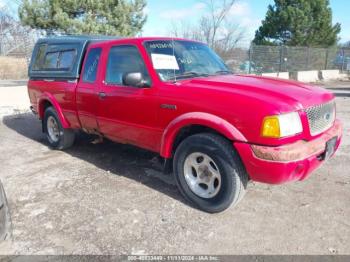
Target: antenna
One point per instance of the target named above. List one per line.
(173, 44)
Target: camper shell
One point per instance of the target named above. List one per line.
(60, 57)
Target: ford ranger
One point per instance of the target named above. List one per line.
(176, 97)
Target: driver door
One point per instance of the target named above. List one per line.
(127, 114)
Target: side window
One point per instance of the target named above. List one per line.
(51, 60)
(39, 57)
(67, 59)
(91, 65)
(122, 60)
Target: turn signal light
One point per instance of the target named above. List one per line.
(271, 127)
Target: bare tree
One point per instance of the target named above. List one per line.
(185, 30)
(214, 27)
(218, 11)
(5, 23)
(15, 39)
(228, 38)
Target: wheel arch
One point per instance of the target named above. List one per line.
(192, 123)
(46, 100)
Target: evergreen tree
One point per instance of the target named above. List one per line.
(298, 23)
(109, 17)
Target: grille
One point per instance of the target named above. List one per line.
(321, 117)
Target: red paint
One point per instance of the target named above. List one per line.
(232, 105)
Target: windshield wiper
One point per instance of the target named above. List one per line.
(223, 72)
(187, 74)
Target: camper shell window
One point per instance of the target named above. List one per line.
(66, 59)
(50, 61)
(39, 56)
(59, 60)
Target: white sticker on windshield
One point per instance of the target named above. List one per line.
(164, 62)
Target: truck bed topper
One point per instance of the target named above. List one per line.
(60, 57)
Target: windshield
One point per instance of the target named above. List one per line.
(187, 59)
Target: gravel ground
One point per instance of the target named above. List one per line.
(109, 199)
(10, 83)
(13, 99)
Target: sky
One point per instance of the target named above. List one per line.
(247, 14)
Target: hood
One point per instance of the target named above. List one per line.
(285, 94)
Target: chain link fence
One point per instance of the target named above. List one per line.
(268, 59)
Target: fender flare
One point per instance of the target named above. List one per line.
(52, 100)
(197, 118)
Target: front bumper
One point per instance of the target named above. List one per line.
(276, 165)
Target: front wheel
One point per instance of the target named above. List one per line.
(209, 172)
(58, 137)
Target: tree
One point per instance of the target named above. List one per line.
(214, 27)
(298, 23)
(13, 36)
(109, 17)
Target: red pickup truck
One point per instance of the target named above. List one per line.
(176, 97)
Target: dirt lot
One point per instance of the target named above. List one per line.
(108, 199)
(13, 67)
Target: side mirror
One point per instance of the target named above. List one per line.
(135, 79)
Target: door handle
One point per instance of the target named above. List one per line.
(102, 95)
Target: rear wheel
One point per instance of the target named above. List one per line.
(209, 172)
(58, 137)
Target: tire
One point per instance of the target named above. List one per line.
(211, 159)
(59, 138)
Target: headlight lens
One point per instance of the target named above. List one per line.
(281, 125)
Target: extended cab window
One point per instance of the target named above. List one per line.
(122, 60)
(91, 64)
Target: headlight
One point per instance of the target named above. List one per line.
(281, 125)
